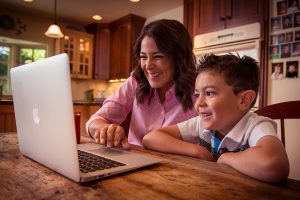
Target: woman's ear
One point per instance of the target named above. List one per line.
(246, 99)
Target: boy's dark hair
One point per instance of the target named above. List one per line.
(172, 39)
(240, 73)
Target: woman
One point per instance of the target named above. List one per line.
(159, 92)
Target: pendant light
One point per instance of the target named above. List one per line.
(54, 30)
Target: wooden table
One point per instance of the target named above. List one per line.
(177, 177)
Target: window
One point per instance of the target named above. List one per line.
(28, 55)
(4, 68)
(15, 54)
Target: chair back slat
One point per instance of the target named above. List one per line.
(284, 110)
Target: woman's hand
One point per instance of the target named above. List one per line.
(111, 135)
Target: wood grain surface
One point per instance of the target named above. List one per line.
(177, 177)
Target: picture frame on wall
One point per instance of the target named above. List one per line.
(293, 6)
(285, 50)
(281, 38)
(274, 52)
(277, 69)
(281, 7)
(276, 23)
(292, 69)
(296, 49)
(287, 21)
(297, 19)
(273, 39)
(289, 37)
(297, 35)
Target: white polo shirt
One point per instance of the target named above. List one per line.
(243, 135)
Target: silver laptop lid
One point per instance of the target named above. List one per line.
(44, 114)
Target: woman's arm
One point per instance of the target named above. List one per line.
(267, 161)
(109, 134)
(104, 126)
(168, 140)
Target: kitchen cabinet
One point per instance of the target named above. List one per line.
(214, 15)
(114, 42)
(79, 46)
(188, 17)
(86, 111)
(7, 119)
(101, 32)
(124, 33)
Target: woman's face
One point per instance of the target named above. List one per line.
(157, 66)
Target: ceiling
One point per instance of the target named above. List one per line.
(81, 11)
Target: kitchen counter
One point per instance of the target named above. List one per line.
(7, 100)
(7, 115)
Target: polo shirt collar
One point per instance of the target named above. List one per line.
(235, 133)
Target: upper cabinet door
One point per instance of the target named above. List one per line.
(208, 16)
(79, 47)
(114, 44)
(240, 12)
(214, 15)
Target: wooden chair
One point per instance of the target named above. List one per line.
(281, 111)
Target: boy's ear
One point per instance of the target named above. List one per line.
(246, 99)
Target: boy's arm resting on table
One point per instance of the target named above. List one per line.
(267, 161)
(168, 140)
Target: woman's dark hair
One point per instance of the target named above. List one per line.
(173, 40)
(241, 73)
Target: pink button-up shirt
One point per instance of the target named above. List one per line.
(145, 117)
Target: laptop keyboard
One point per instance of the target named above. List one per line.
(89, 162)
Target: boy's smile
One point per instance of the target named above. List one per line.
(216, 104)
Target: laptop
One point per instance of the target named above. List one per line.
(46, 129)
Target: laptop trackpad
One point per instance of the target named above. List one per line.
(108, 151)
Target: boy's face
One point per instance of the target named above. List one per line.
(218, 107)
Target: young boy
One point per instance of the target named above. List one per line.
(225, 130)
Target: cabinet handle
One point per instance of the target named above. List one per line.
(226, 35)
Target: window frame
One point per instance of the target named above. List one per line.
(14, 58)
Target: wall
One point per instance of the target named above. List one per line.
(176, 13)
(285, 89)
(35, 29)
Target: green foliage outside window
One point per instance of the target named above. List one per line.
(4, 55)
(29, 55)
(26, 55)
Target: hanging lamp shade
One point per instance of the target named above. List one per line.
(54, 30)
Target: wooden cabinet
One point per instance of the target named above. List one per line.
(101, 34)
(124, 33)
(214, 15)
(188, 17)
(79, 46)
(8, 122)
(7, 119)
(114, 42)
(86, 111)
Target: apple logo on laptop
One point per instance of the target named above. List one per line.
(35, 114)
